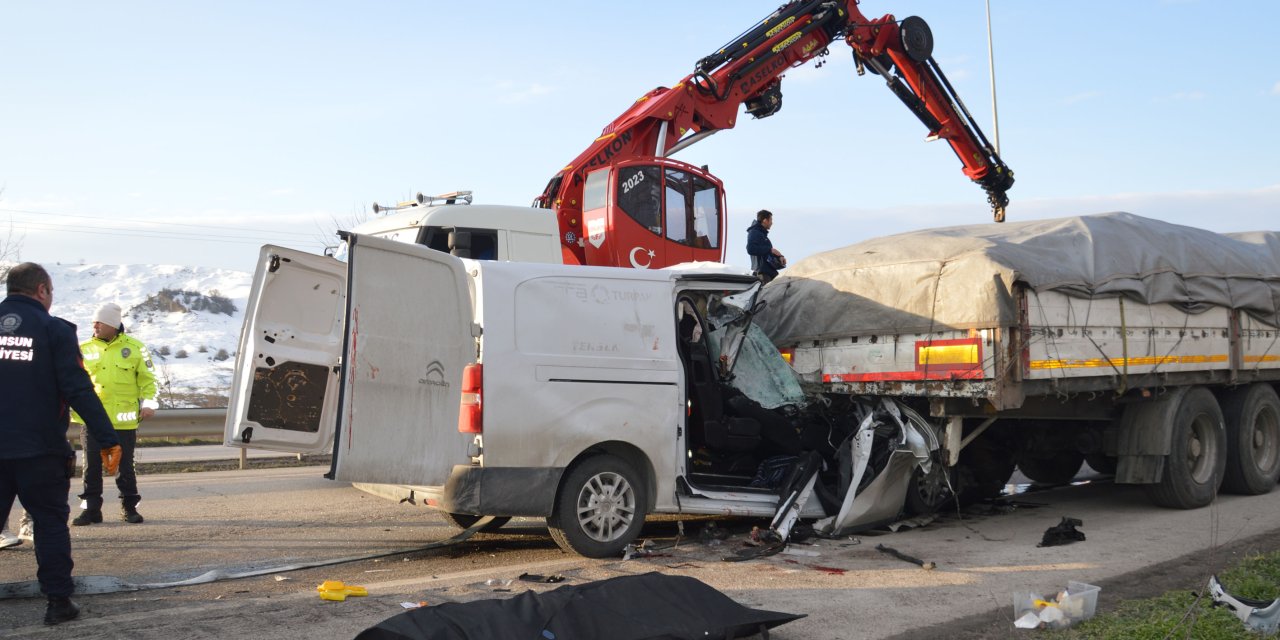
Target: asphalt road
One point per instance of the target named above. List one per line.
(238, 521)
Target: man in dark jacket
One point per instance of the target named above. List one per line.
(42, 376)
(765, 260)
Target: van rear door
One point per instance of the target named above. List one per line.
(410, 332)
(284, 388)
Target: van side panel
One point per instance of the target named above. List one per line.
(576, 362)
(408, 339)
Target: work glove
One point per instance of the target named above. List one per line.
(111, 459)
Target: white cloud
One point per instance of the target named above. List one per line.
(1275, 91)
(284, 191)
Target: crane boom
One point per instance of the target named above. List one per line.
(748, 72)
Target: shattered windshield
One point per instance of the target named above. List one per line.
(758, 369)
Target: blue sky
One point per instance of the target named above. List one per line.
(189, 133)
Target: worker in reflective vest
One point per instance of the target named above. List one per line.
(123, 378)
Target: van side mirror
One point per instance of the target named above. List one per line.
(460, 243)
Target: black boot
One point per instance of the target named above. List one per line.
(130, 515)
(87, 516)
(60, 610)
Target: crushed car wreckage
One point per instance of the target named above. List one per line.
(858, 457)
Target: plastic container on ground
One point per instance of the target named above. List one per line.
(1081, 600)
(1077, 603)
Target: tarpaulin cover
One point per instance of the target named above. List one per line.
(648, 606)
(963, 277)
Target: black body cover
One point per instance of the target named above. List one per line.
(650, 606)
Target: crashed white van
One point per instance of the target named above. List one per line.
(591, 396)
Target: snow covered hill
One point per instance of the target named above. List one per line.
(189, 317)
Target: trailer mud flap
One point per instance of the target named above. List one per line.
(1145, 438)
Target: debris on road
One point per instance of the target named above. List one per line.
(712, 534)
(1064, 532)
(792, 551)
(533, 577)
(927, 566)
(337, 590)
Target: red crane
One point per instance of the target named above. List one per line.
(623, 201)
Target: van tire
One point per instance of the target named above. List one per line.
(932, 492)
(1252, 416)
(599, 509)
(465, 520)
(1197, 457)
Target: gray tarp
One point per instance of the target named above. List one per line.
(962, 277)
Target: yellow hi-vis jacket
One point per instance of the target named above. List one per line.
(122, 377)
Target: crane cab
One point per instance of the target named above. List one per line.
(652, 213)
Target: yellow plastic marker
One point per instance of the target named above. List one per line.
(338, 591)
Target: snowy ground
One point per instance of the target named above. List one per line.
(203, 334)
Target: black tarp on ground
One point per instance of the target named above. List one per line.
(652, 606)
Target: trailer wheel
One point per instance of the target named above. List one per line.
(599, 509)
(1194, 468)
(1102, 463)
(984, 469)
(465, 520)
(1253, 439)
(1056, 468)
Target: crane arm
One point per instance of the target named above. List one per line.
(748, 71)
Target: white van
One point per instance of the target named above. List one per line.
(591, 396)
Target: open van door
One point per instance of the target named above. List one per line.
(410, 332)
(284, 389)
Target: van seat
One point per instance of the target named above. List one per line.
(731, 433)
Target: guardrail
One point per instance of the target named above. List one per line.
(184, 423)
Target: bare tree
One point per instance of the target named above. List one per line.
(10, 246)
(328, 234)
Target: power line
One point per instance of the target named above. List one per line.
(146, 222)
(167, 235)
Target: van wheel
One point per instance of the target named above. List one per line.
(1253, 439)
(1055, 468)
(1194, 468)
(930, 493)
(465, 520)
(599, 509)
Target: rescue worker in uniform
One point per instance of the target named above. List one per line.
(122, 377)
(40, 375)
